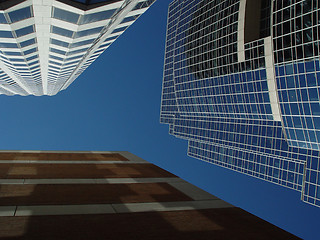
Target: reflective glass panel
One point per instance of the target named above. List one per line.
(57, 51)
(59, 43)
(88, 32)
(32, 57)
(20, 14)
(65, 15)
(129, 19)
(119, 29)
(13, 53)
(6, 34)
(2, 18)
(77, 51)
(55, 57)
(24, 31)
(95, 17)
(28, 42)
(8, 45)
(62, 31)
(73, 45)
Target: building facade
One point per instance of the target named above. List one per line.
(241, 84)
(112, 195)
(46, 44)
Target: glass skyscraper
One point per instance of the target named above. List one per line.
(45, 45)
(241, 84)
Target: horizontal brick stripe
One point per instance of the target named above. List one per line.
(34, 171)
(51, 194)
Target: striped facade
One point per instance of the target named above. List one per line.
(112, 195)
(46, 44)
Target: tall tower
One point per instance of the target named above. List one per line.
(45, 45)
(241, 84)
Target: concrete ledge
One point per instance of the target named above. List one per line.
(90, 180)
(132, 158)
(170, 206)
(73, 162)
(110, 208)
(7, 211)
(64, 209)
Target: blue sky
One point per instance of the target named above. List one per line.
(115, 104)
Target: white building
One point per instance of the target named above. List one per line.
(46, 44)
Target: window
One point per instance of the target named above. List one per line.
(129, 19)
(2, 18)
(72, 58)
(31, 58)
(65, 15)
(111, 38)
(30, 51)
(57, 51)
(119, 29)
(62, 31)
(95, 17)
(55, 57)
(88, 32)
(6, 34)
(20, 14)
(8, 45)
(28, 42)
(59, 43)
(77, 44)
(77, 51)
(13, 53)
(25, 31)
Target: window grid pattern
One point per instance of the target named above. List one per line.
(296, 33)
(19, 52)
(73, 32)
(223, 107)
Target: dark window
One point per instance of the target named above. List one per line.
(95, 17)
(62, 31)
(20, 14)
(88, 32)
(24, 31)
(65, 15)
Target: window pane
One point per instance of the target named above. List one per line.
(119, 29)
(30, 51)
(8, 45)
(70, 63)
(129, 19)
(20, 14)
(111, 38)
(6, 34)
(31, 58)
(13, 53)
(55, 57)
(73, 45)
(88, 32)
(59, 43)
(72, 58)
(62, 31)
(77, 51)
(65, 15)
(95, 17)
(2, 18)
(24, 31)
(57, 51)
(28, 42)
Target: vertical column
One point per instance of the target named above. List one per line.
(271, 78)
(241, 24)
(42, 17)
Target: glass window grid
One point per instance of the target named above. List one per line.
(170, 113)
